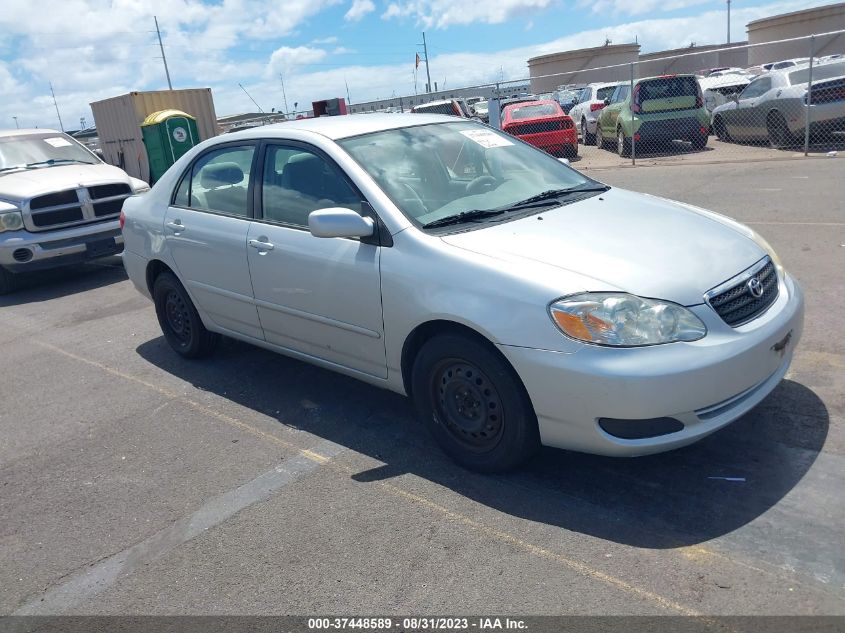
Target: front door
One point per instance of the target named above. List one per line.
(316, 296)
(206, 232)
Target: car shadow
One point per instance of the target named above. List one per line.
(674, 499)
(43, 285)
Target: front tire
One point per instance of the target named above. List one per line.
(721, 130)
(179, 320)
(586, 137)
(8, 281)
(474, 404)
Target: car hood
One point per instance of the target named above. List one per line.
(626, 241)
(17, 186)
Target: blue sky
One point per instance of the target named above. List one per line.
(92, 49)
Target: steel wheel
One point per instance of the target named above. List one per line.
(180, 323)
(468, 405)
(178, 317)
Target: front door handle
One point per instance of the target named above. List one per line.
(176, 226)
(261, 244)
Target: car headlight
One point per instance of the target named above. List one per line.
(623, 320)
(11, 221)
(769, 251)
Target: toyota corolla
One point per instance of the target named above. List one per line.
(515, 300)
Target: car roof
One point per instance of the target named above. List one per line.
(28, 132)
(344, 126)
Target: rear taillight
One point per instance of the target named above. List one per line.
(635, 99)
(596, 106)
(699, 99)
(122, 219)
(567, 123)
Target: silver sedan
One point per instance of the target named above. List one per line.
(515, 300)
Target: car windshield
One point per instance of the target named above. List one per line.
(41, 150)
(568, 96)
(534, 111)
(438, 170)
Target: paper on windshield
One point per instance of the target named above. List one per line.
(486, 138)
(57, 141)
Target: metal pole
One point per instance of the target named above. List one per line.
(57, 107)
(16, 122)
(633, 129)
(729, 22)
(284, 96)
(427, 73)
(163, 58)
(809, 99)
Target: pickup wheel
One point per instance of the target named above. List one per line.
(474, 404)
(179, 320)
(8, 281)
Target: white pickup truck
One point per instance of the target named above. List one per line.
(59, 203)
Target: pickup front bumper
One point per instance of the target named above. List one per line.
(22, 251)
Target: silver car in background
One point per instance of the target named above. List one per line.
(586, 112)
(515, 300)
(774, 106)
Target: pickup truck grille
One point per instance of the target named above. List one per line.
(737, 304)
(71, 207)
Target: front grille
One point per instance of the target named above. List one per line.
(737, 305)
(111, 207)
(107, 191)
(43, 219)
(54, 199)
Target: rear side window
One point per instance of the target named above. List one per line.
(604, 93)
(220, 181)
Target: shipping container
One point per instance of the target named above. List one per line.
(119, 119)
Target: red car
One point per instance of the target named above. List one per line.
(544, 125)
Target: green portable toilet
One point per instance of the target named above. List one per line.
(168, 134)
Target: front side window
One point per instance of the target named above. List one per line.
(297, 181)
(220, 181)
(604, 93)
(756, 88)
(437, 170)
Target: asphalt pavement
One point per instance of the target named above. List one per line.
(134, 481)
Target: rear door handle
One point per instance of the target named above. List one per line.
(261, 244)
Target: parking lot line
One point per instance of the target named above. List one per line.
(109, 569)
(93, 580)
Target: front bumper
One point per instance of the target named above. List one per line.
(705, 384)
(22, 251)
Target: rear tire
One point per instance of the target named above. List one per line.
(779, 134)
(8, 281)
(586, 137)
(570, 151)
(600, 142)
(699, 142)
(474, 404)
(623, 144)
(179, 320)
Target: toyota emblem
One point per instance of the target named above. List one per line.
(755, 287)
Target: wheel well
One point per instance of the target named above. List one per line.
(154, 269)
(773, 113)
(425, 332)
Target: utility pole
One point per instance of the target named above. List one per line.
(163, 58)
(284, 96)
(729, 21)
(61, 125)
(16, 122)
(348, 98)
(427, 73)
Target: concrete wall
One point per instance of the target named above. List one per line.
(547, 72)
(798, 24)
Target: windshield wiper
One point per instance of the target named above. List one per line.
(463, 216)
(13, 167)
(551, 196)
(58, 161)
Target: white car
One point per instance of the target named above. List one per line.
(515, 300)
(586, 112)
(59, 203)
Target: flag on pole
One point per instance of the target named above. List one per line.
(418, 61)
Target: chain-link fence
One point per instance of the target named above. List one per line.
(711, 105)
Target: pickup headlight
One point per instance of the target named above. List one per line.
(11, 221)
(623, 320)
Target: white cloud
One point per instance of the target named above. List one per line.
(444, 13)
(359, 9)
(640, 7)
(325, 40)
(287, 58)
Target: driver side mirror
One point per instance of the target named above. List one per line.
(735, 97)
(607, 101)
(339, 222)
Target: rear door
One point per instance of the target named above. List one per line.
(317, 296)
(610, 114)
(206, 230)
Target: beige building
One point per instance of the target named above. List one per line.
(547, 72)
(798, 24)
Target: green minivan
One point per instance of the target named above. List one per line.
(660, 109)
